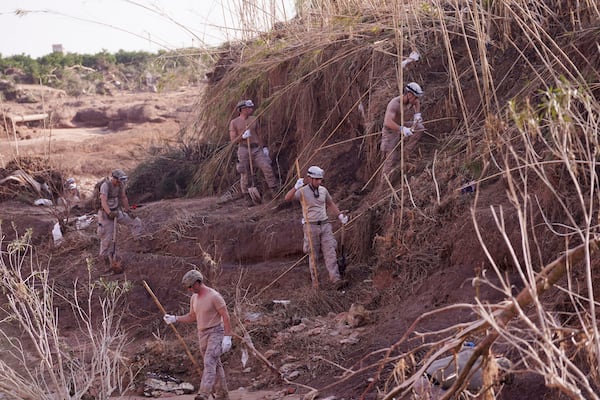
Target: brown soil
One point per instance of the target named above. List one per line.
(260, 261)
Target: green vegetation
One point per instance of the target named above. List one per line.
(129, 70)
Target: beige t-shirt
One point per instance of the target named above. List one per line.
(113, 193)
(316, 207)
(206, 308)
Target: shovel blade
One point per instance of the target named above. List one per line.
(254, 194)
(116, 265)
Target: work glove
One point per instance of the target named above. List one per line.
(343, 218)
(414, 56)
(417, 118)
(246, 134)
(266, 153)
(299, 183)
(226, 344)
(113, 214)
(405, 131)
(170, 319)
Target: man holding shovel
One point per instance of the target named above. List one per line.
(318, 235)
(393, 128)
(209, 311)
(244, 131)
(113, 210)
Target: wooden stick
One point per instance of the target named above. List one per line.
(261, 291)
(313, 268)
(162, 310)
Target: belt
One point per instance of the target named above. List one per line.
(319, 222)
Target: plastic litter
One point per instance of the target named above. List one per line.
(57, 234)
(43, 202)
(84, 221)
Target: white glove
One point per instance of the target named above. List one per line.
(226, 344)
(246, 134)
(405, 131)
(266, 152)
(299, 183)
(414, 56)
(170, 319)
(343, 219)
(417, 118)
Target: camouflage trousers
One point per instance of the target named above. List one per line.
(323, 242)
(259, 160)
(106, 225)
(390, 147)
(213, 375)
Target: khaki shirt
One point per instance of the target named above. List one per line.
(315, 207)
(205, 309)
(113, 193)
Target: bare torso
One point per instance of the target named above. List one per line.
(393, 114)
(238, 125)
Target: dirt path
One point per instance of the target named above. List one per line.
(239, 394)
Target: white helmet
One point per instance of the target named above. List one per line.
(415, 89)
(315, 172)
(191, 277)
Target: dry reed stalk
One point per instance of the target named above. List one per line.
(314, 274)
(173, 328)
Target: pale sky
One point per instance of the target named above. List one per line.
(89, 26)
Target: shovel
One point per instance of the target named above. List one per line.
(116, 266)
(252, 190)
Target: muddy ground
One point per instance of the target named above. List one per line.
(315, 338)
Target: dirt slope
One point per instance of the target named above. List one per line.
(259, 264)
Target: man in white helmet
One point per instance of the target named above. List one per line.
(316, 202)
(114, 207)
(243, 129)
(209, 311)
(394, 128)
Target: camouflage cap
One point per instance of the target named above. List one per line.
(245, 104)
(120, 175)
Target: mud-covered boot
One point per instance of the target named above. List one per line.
(273, 192)
(202, 396)
(249, 201)
(222, 395)
(340, 284)
(267, 197)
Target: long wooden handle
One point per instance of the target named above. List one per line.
(250, 159)
(313, 268)
(162, 310)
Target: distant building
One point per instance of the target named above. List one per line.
(58, 48)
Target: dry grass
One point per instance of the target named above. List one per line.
(322, 83)
(513, 93)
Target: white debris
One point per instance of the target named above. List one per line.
(43, 202)
(57, 234)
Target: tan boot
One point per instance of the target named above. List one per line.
(222, 396)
